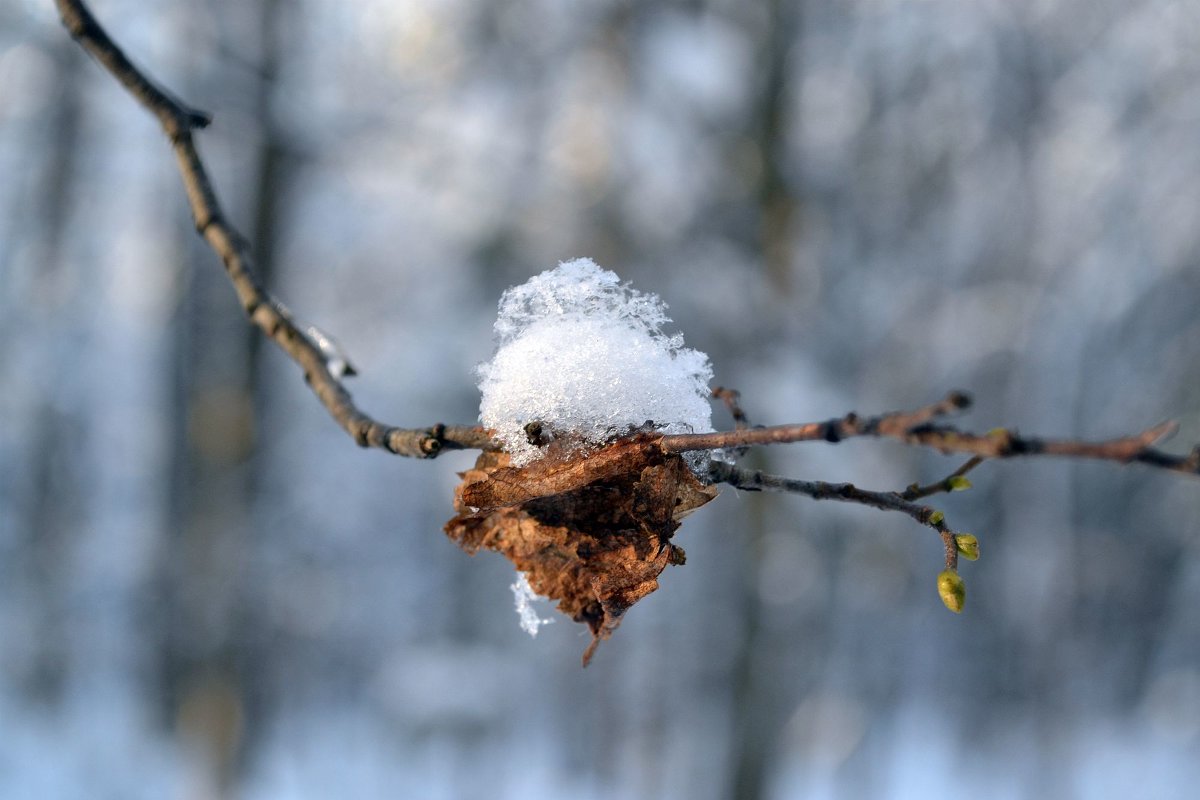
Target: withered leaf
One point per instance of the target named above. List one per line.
(590, 530)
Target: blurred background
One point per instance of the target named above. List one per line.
(207, 591)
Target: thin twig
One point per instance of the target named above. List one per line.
(741, 422)
(917, 428)
(756, 481)
(268, 314)
(730, 398)
(946, 484)
(895, 424)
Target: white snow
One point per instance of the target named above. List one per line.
(585, 355)
(524, 597)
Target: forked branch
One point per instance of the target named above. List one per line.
(645, 455)
(324, 368)
(755, 481)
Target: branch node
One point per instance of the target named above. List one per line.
(1015, 446)
(431, 444)
(731, 397)
(362, 433)
(959, 400)
(197, 119)
(205, 222)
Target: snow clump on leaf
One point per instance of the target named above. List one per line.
(586, 357)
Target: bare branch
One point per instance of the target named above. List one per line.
(175, 117)
(917, 428)
(741, 422)
(323, 371)
(267, 313)
(730, 398)
(894, 424)
(755, 481)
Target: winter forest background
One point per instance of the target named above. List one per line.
(206, 590)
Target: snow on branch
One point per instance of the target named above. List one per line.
(643, 314)
(581, 354)
(597, 435)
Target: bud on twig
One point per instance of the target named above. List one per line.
(968, 546)
(952, 590)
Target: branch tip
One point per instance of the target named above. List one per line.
(362, 433)
(198, 120)
(1161, 432)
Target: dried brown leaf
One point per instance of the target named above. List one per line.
(590, 530)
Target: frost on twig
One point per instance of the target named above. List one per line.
(525, 599)
(336, 360)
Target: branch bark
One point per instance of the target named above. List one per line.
(918, 428)
(756, 481)
(323, 369)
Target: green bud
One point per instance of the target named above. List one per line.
(958, 483)
(968, 546)
(952, 590)
(937, 518)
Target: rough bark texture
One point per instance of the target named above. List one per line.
(591, 531)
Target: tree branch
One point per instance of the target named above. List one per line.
(917, 428)
(730, 398)
(306, 346)
(324, 367)
(755, 481)
(946, 484)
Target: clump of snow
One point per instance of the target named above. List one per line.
(586, 356)
(524, 598)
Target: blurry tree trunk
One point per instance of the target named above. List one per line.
(751, 735)
(54, 507)
(756, 717)
(777, 199)
(209, 658)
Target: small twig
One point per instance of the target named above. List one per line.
(176, 118)
(946, 484)
(916, 428)
(895, 424)
(730, 398)
(741, 422)
(267, 313)
(755, 481)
